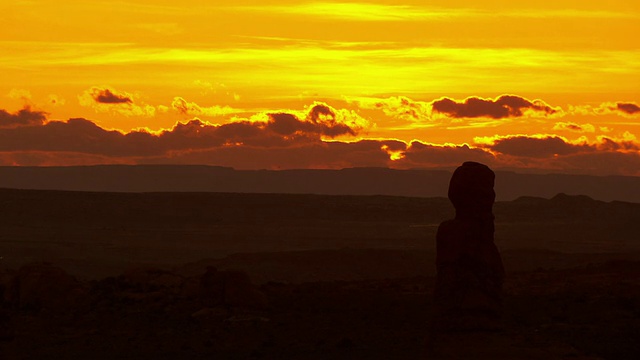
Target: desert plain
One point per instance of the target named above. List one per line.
(302, 276)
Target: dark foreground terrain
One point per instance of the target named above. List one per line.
(238, 276)
(589, 312)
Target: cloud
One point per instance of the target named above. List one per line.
(242, 144)
(399, 107)
(108, 96)
(419, 154)
(319, 155)
(192, 109)
(540, 146)
(626, 143)
(305, 139)
(504, 106)
(570, 126)
(84, 136)
(75, 135)
(605, 156)
(27, 98)
(20, 94)
(319, 118)
(628, 108)
(23, 117)
(321, 113)
(108, 100)
(288, 125)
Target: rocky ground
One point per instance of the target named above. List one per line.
(588, 312)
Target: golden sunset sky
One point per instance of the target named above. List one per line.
(549, 85)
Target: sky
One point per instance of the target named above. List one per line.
(546, 86)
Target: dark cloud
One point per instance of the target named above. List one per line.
(75, 135)
(80, 135)
(419, 154)
(574, 127)
(287, 124)
(198, 135)
(609, 144)
(570, 126)
(606, 156)
(23, 117)
(535, 147)
(327, 155)
(107, 96)
(628, 108)
(321, 113)
(505, 106)
(286, 141)
(332, 155)
(321, 120)
(334, 130)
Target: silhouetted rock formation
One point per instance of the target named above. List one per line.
(469, 267)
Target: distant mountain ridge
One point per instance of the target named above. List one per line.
(352, 181)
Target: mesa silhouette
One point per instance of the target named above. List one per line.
(351, 181)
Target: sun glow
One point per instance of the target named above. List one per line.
(378, 74)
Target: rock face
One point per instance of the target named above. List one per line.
(469, 267)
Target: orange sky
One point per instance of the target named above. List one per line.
(551, 85)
